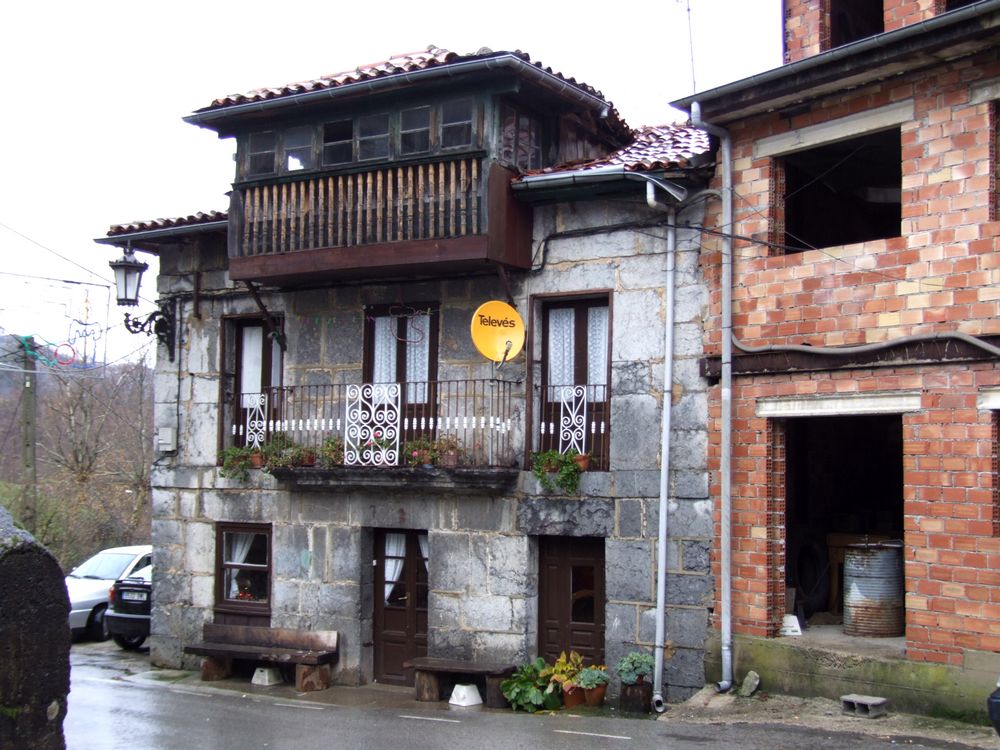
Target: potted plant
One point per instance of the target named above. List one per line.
(527, 690)
(331, 452)
(419, 452)
(449, 451)
(636, 694)
(563, 466)
(237, 460)
(582, 460)
(594, 683)
(563, 672)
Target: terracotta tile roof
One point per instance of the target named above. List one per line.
(654, 147)
(183, 221)
(397, 65)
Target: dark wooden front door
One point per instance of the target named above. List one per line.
(571, 597)
(400, 603)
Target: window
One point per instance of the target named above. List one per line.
(456, 124)
(521, 140)
(338, 142)
(260, 153)
(243, 567)
(253, 369)
(841, 193)
(401, 346)
(373, 137)
(851, 20)
(575, 376)
(299, 149)
(956, 4)
(415, 131)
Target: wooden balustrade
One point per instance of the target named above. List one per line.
(392, 204)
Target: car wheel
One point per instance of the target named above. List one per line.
(97, 628)
(129, 642)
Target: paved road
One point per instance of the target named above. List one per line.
(116, 702)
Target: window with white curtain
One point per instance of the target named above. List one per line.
(576, 338)
(402, 347)
(244, 564)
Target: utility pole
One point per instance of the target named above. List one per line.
(29, 403)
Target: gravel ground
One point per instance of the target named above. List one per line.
(708, 707)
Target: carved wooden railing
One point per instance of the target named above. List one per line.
(391, 204)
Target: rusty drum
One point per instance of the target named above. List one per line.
(873, 590)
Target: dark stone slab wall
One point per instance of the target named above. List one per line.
(34, 643)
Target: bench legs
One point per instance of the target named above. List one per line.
(310, 677)
(215, 668)
(428, 686)
(495, 698)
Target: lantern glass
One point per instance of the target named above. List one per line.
(128, 275)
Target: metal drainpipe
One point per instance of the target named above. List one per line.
(726, 383)
(659, 705)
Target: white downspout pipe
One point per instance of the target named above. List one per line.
(659, 705)
(726, 385)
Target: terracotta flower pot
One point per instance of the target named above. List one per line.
(573, 697)
(449, 459)
(583, 461)
(257, 459)
(595, 696)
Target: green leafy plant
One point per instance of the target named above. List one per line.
(589, 678)
(331, 452)
(554, 469)
(564, 671)
(236, 462)
(419, 451)
(634, 666)
(527, 690)
(281, 452)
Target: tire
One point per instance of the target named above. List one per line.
(97, 626)
(129, 642)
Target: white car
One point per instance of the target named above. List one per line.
(88, 586)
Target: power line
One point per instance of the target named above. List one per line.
(49, 249)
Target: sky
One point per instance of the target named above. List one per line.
(94, 93)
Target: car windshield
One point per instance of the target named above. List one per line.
(108, 565)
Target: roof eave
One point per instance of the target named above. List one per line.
(953, 34)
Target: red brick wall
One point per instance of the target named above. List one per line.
(807, 22)
(941, 274)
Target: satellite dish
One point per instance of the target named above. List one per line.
(497, 331)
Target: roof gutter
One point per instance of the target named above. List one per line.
(852, 50)
(509, 61)
(120, 240)
(610, 173)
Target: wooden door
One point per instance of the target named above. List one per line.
(571, 597)
(400, 603)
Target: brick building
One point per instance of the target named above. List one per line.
(853, 254)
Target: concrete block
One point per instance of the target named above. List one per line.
(868, 706)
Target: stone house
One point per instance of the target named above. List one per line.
(852, 346)
(372, 214)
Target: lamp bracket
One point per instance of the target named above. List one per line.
(159, 323)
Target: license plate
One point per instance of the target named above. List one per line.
(134, 596)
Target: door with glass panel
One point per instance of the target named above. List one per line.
(253, 379)
(575, 371)
(571, 597)
(401, 348)
(400, 603)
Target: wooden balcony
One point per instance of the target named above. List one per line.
(430, 219)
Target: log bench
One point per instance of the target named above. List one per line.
(311, 651)
(435, 677)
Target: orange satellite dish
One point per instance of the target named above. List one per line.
(497, 331)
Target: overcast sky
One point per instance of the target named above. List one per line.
(94, 93)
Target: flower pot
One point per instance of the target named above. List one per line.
(449, 459)
(594, 697)
(257, 459)
(583, 461)
(637, 698)
(575, 696)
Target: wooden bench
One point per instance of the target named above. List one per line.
(434, 678)
(311, 651)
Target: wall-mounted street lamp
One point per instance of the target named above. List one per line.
(128, 275)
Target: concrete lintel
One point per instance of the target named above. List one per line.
(841, 129)
(842, 405)
(988, 399)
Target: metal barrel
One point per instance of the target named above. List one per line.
(873, 590)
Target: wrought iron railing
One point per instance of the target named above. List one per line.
(392, 204)
(577, 417)
(374, 422)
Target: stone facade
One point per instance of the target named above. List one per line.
(482, 546)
